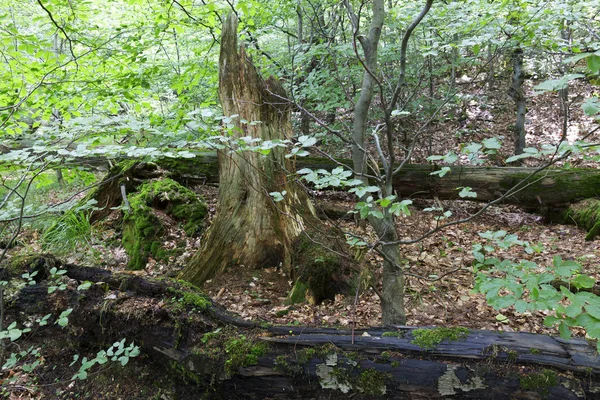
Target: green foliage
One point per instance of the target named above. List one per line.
(188, 297)
(118, 352)
(28, 360)
(429, 338)
(527, 286)
(70, 231)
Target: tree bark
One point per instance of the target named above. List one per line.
(517, 93)
(302, 362)
(250, 227)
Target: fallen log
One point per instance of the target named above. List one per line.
(554, 187)
(212, 353)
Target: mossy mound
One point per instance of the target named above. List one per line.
(322, 269)
(143, 230)
(586, 215)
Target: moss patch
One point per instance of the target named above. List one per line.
(189, 298)
(321, 272)
(541, 382)
(586, 215)
(429, 338)
(372, 382)
(242, 352)
(143, 230)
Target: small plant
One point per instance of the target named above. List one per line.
(118, 352)
(69, 232)
(526, 286)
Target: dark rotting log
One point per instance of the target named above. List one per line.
(308, 362)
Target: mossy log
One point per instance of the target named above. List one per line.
(586, 215)
(213, 354)
(554, 187)
(143, 230)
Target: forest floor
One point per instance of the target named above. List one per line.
(439, 281)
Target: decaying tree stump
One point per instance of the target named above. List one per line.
(218, 355)
(252, 226)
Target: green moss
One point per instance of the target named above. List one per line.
(372, 382)
(586, 215)
(430, 338)
(281, 313)
(143, 230)
(185, 373)
(541, 382)
(305, 355)
(392, 334)
(298, 293)
(395, 364)
(183, 299)
(512, 356)
(242, 352)
(534, 351)
(321, 270)
(210, 336)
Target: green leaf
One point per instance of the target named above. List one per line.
(502, 318)
(479, 256)
(551, 320)
(564, 330)
(583, 281)
(593, 63)
(591, 106)
(505, 301)
(84, 286)
(522, 306)
(467, 192)
(573, 311)
(278, 196)
(441, 172)
(593, 310)
(492, 143)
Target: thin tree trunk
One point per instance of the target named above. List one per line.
(564, 93)
(517, 94)
(250, 227)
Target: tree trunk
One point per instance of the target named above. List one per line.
(250, 227)
(207, 351)
(517, 93)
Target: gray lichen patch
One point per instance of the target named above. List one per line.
(330, 379)
(449, 382)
